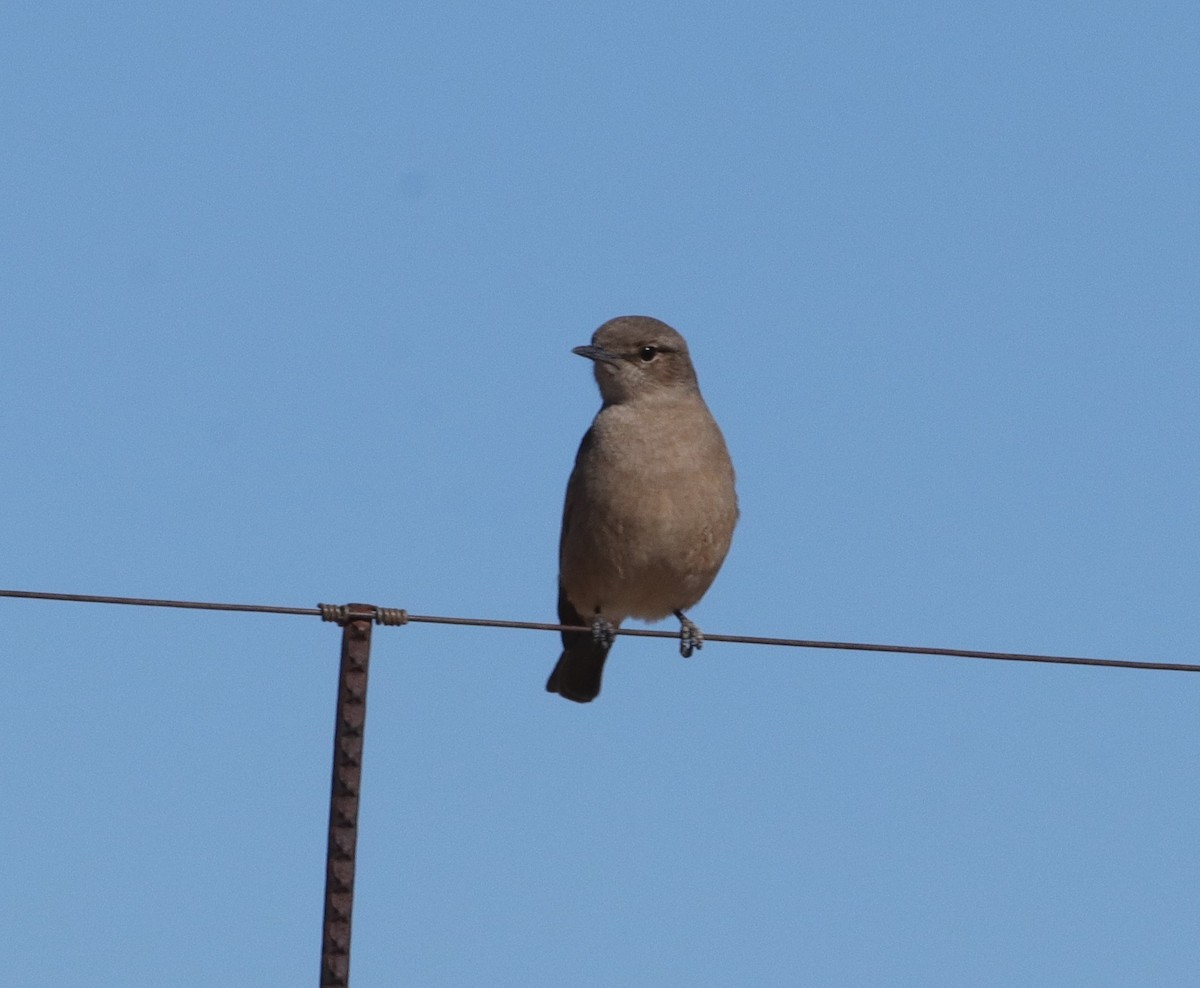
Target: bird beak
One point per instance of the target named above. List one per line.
(593, 352)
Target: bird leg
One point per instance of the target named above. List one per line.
(690, 638)
(604, 632)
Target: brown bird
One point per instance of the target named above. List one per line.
(650, 505)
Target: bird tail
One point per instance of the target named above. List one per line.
(581, 665)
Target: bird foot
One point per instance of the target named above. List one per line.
(690, 637)
(604, 632)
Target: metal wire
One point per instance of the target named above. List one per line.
(147, 602)
(398, 616)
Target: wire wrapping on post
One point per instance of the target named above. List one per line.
(340, 614)
(394, 616)
(337, 613)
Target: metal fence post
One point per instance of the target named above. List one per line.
(356, 621)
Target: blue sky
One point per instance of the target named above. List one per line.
(287, 298)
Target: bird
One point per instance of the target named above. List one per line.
(650, 506)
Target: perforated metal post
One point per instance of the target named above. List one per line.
(356, 620)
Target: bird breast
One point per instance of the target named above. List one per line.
(652, 510)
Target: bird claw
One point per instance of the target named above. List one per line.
(604, 632)
(690, 637)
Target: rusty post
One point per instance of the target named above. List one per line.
(343, 797)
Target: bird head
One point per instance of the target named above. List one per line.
(638, 358)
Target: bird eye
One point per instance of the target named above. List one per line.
(648, 353)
